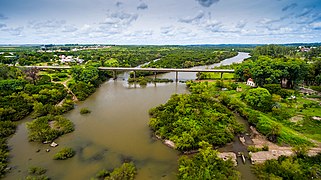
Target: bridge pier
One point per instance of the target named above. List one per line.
(176, 77)
(114, 75)
(155, 75)
(155, 70)
(135, 76)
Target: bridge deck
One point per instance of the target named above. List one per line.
(140, 69)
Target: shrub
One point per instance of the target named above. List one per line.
(37, 173)
(293, 167)
(102, 174)
(273, 88)
(142, 82)
(81, 89)
(206, 165)
(65, 153)
(84, 111)
(233, 86)
(276, 89)
(44, 79)
(37, 170)
(41, 177)
(48, 128)
(126, 171)
(259, 98)
(265, 148)
(219, 84)
(316, 88)
(257, 149)
(284, 93)
(276, 98)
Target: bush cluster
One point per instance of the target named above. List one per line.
(64, 153)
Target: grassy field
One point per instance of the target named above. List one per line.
(216, 76)
(293, 116)
(57, 76)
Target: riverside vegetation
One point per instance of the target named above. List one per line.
(186, 132)
(126, 171)
(21, 93)
(268, 108)
(44, 94)
(197, 121)
(37, 173)
(64, 153)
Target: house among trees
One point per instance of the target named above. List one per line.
(304, 49)
(250, 82)
(67, 59)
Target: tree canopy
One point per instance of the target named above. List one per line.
(188, 119)
(258, 98)
(266, 70)
(206, 165)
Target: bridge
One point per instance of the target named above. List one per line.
(155, 70)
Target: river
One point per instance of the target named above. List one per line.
(116, 130)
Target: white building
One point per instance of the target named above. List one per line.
(250, 82)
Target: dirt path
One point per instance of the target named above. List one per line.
(275, 150)
(74, 97)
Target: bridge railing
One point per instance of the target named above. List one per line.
(155, 70)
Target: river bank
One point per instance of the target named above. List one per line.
(115, 130)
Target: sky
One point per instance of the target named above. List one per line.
(159, 21)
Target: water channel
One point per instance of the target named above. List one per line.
(115, 131)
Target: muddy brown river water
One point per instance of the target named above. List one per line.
(116, 130)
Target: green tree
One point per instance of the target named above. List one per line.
(267, 70)
(206, 165)
(111, 63)
(259, 98)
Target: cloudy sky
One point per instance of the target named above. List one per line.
(159, 21)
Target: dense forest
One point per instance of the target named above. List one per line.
(190, 57)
